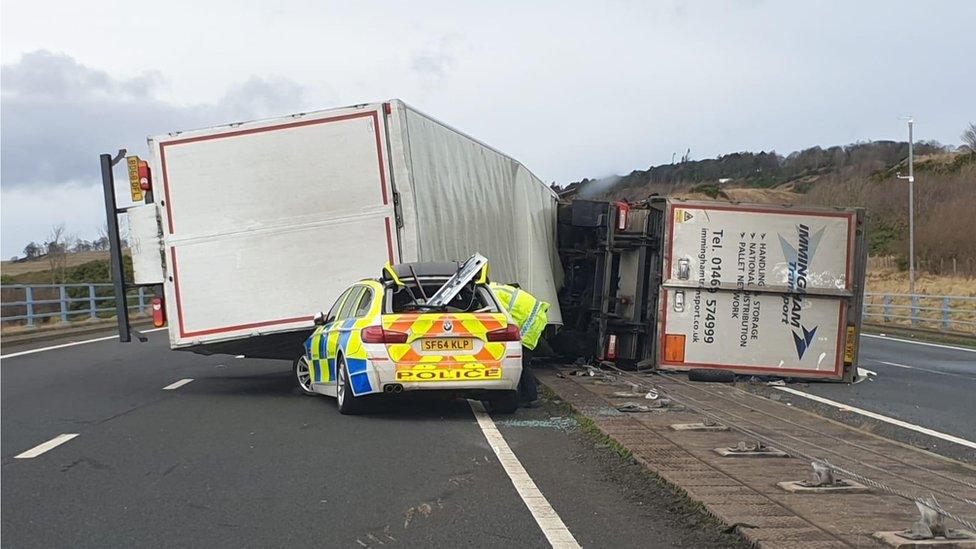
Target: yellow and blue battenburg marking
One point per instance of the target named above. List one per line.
(328, 342)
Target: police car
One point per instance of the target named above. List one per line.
(418, 327)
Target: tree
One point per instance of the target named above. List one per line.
(32, 250)
(56, 247)
(969, 137)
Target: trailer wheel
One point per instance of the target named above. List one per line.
(348, 403)
(303, 375)
(711, 376)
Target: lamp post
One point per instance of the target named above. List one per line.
(911, 207)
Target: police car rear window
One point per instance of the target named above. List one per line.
(402, 300)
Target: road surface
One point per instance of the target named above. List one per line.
(236, 457)
(926, 385)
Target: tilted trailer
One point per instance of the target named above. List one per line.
(255, 227)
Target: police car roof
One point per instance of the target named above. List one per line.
(426, 269)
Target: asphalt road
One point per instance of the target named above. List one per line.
(931, 386)
(237, 458)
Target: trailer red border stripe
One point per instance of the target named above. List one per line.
(169, 212)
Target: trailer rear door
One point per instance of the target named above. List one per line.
(766, 290)
(266, 222)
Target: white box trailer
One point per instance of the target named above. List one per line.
(679, 285)
(761, 289)
(262, 224)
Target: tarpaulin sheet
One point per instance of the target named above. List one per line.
(468, 198)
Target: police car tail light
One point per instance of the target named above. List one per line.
(508, 333)
(376, 334)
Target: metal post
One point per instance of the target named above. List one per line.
(142, 300)
(92, 304)
(887, 308)
(914, 310)
(63, 298)
(29, 299)
(945, 313)
(115, 244)
(911, 207)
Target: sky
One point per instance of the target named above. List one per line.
(572, 89)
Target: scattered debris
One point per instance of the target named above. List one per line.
(558, 423)
(653, 405)
(633, 407)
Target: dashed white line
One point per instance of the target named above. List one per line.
(72, 344)
(41, 448)
(879, 417)
(177, 384)
(926, 343)
(545, 516)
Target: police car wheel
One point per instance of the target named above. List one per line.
(303, 375)
(504, 403)
(348, 403)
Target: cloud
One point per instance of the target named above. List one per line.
(437, 57)
(58, 115)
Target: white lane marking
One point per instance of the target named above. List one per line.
(926, 343)
(896, 365)
(41, 448)
(545, 516)
(72, 344)
(177, 384)
(879, 417)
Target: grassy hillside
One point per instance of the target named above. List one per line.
(82, 267)
(863, 175)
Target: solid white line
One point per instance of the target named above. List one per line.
(879, 417)
(926, 343)
(895, 364)
(72, 344)
(543, 513)
(177, 384)
(41, 448)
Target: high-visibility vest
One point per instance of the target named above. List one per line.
(527, 311)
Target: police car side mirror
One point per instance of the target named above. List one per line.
(319, 319)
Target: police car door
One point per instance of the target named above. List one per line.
(339, 327)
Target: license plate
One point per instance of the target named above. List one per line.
(421, 373)
(452, 344)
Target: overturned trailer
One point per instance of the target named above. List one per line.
(677, 285)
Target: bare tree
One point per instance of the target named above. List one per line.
(56, 246)
(969, 137)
